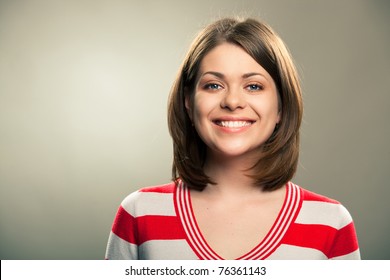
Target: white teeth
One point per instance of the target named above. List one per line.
(234, 124)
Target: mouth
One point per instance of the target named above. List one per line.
(233, 124)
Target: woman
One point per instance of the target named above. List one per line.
(234, 115)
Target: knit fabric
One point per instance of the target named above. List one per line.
(159, 223)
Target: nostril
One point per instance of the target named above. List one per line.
(233, 101)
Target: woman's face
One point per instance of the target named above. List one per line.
(235, 105)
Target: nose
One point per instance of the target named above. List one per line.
(233, 100)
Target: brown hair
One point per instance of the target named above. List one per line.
(279, 155)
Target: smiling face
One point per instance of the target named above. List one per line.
(235, 104)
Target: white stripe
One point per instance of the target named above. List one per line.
(351, 256)
(166, 250)
(149, 203)
(273, 238)
(293, 207)
(287, 213)
(290, 252)
(119, 249)
(183, 216)
(179, 202)
(293, 204)
(324, 213)
(199, 238)
(189, 223)
(182, 213)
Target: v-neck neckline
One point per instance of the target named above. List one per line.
(287, 214)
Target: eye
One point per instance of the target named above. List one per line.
(254, 87)
(212, 86)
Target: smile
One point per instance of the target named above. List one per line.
(234, 124)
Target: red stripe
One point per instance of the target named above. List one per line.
(203, 245)
(179, 205)
(167, 188)
(295, 204)
(144, 228)
(185, 212)
(310, 196)
(123, 226)
(270, 237)
(200, 246)
(286, 216)
(345, 242)
(194, 241)
(159, 228)
(318, 237)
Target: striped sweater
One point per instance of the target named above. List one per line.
(158, 223)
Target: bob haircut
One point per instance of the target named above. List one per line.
(278, 157)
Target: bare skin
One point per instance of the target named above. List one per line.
(234, 217)
(235, 110)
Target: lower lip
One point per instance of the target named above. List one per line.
(233, 129)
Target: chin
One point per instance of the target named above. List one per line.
(233, 152)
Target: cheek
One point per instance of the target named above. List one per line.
(202, 108)
(198, 117)
(266, 108)
(273, 108)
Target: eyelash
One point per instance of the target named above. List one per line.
(250, 87)
(258, 87)
(211, 86)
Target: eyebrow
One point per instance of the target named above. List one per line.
(221, 76)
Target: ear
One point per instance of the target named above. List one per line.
(279, 118)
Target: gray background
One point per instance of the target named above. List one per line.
(83, 93)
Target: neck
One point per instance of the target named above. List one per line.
(230, 174)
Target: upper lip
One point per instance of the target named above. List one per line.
(233, 119)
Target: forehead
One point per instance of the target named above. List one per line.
(230, 60)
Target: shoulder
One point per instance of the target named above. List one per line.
(312, 196)
(151, 200)
(320, 209)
